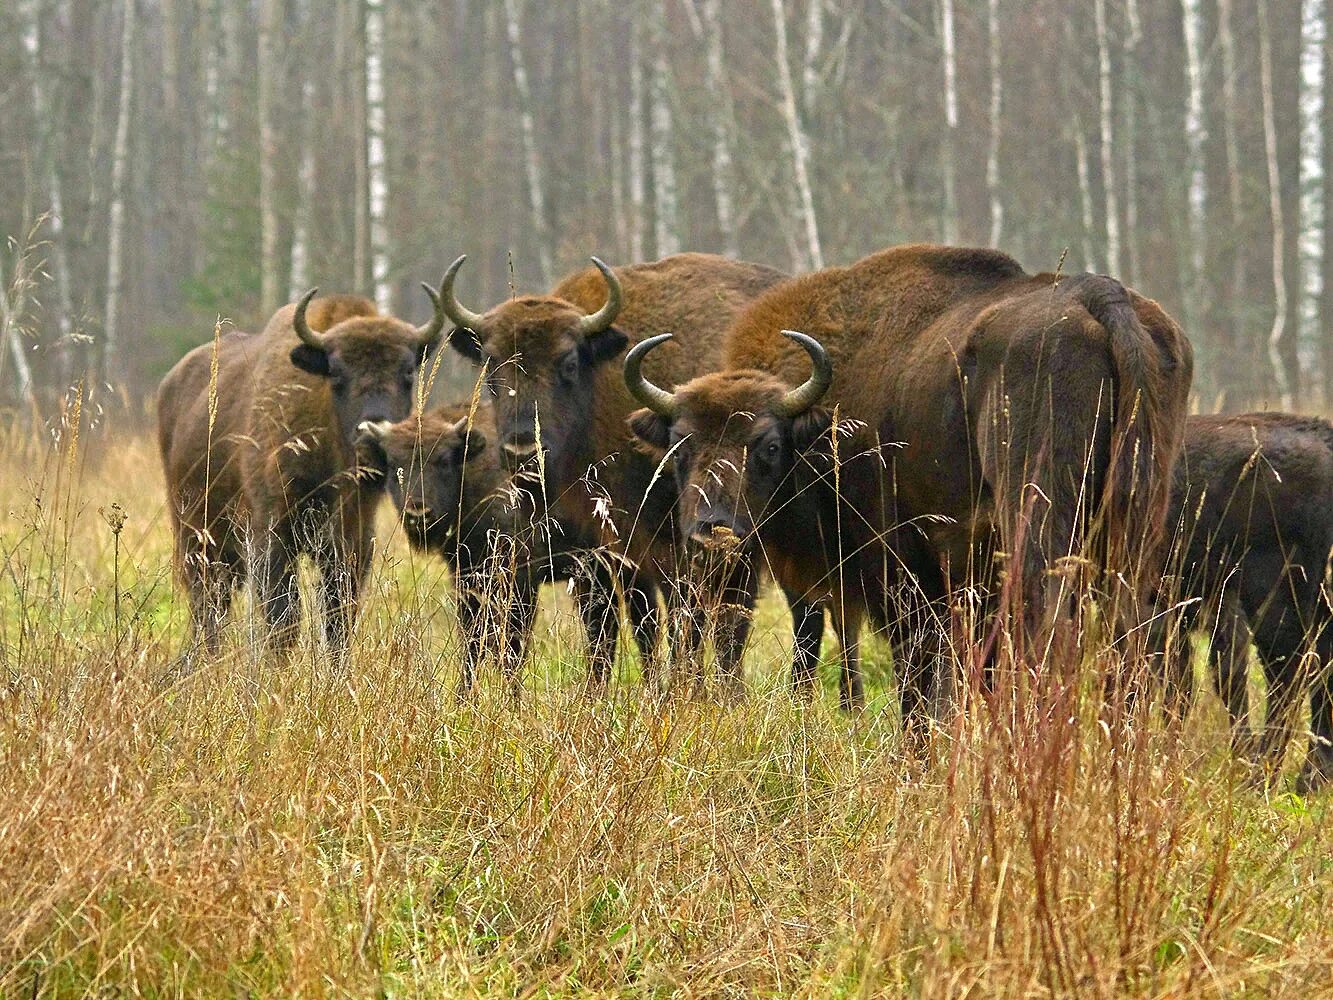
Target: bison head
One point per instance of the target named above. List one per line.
(539, 356)
(424, 461)
(734, 438)
(369, 362)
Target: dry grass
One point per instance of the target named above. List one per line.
(285, 831)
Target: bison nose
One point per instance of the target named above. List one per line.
(519, 449)
(416, 513)
(718, 531)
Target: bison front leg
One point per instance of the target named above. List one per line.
(807, 627)
(734, 620)
(279, 597)
(1228, 656)
(209, 585)
(847, 621)
(646, 622)
(342, 576)
(596, 601)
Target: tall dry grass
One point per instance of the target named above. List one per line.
(288, 830)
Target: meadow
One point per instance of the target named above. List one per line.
(277, 830)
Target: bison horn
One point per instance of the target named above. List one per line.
(605, 316)
(308, 336)
(460, 316)
(375, 430)
(428, 333)
(812, 390)
(656, 399)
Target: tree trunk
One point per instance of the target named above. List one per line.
(996, 110)
(1195, 136)
(1084, 194)
(637, 167)
(361, 174)
(305, 195)
(1278, 329)
(13, 296)
(814, 42)
(797, 140)
(666, 206)
(270, 29)
(1107, 112)
(1311, 224)
(720, 106)
(1228, 361)
(114, 355)
(532, 165)
(377, 163)
(1129, 102)
(949, 145)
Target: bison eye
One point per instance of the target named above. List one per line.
(569, 367)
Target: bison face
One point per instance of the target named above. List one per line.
(735, 455)
(424, 462)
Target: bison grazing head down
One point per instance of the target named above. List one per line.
(369, 362)
(539, 355)
(425, 463)
(735, 438)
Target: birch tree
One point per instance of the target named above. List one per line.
(950, 144)
(1084, 194)
(637, 183)
(1129, 99)
(1235, 203)
(114, 362)
(666, 205)
(796, 138)
(996, 111)
(1195, 136)
(305, 195)
(711, 26)
(1311, 224)
(1278, 329)
(1106, 108)
(270, 27)
(531, 162)
(377, 173)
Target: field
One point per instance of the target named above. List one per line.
(270, 831)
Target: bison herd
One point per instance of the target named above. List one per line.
(926, 429)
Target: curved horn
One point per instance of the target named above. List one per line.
(656, 399)
(605, 316)
(429, 333)
(452, 307)
(308, 336)
(812, 390)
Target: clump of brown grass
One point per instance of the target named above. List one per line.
(285, 830)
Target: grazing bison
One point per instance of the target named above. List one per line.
(986, 411)
(1252, 505)
(548, 361)
(257, 436)
(455, 500)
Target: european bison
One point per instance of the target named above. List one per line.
(257, 437)
(549, 360)
(985, 411)
(456, 501)
(1252, 504)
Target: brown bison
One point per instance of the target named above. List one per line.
(257, 436)
(456, 501)
(549, 362)
(984, 411)
(1252, 505)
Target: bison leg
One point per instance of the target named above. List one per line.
(519, 617)
(734, 619)
(470, 632)
(596, 601)
(847, 620)
(1228, 658)
(209, 585)
(1317, 771)
(646, 622)
(279, 597)
(807, 626)
(341, 578)
(1285, 685)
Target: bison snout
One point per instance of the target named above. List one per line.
(719, 533)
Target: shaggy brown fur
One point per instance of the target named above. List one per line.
(273, 469)
(599, 482)
(963, 379)
(455, 500)
(1252, 504)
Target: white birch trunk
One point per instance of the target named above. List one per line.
(797, 139)
(113, 351)
(1129, 101)
(637, 164)
(1084, 194)
(270, 27)
(1107, 110)
(1311, 231)
(1235, 196)
(377, 168)
(532, 165)
(814, 42)
(13, 294)
(948, 169)
(305, 196)
(1278, 329)
(666, 214)
(721, 109)
(1195, 136)
(996, 112)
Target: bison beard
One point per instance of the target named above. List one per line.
(457, 502)
(1252, 506)
(257, 438)
(986, 411)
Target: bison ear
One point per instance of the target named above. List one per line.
(310, 359)
(604, 346)
(465, 342)
(473, 444)
(651, 428)
(811, 430)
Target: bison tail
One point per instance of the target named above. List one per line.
(1143, 438)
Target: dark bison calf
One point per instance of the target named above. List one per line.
(446, 480)
(1252, 502)
(257, 436)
